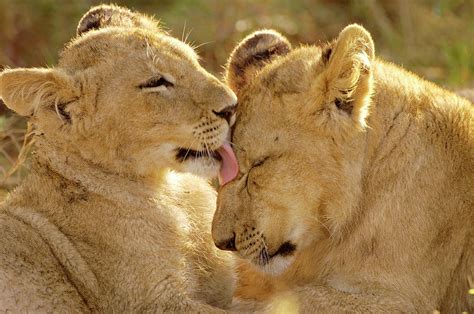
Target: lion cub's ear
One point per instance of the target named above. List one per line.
(111, 15)
(26, 91)
(253, 52)
(348, 74)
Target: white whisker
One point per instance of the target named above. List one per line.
(187, 36)
(187, 151)
(234, 145)
(208, 152)
(200, 45)
(322, 224)
(184, 30)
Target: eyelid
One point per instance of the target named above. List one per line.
(256, 164)
(157, 83)
(160, 88)
(169, 78)
(259, 162)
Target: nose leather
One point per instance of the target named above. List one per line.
(226, 113)
(227, 245)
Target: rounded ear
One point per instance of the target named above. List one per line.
(348, 73)
(111, 15)
(26, 91)
(253, 53)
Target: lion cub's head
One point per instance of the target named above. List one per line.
(127, 97)
(298, 139)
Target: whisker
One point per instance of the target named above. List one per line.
(208, 151)
(263, 257)
(322, 224)
(204, 145)
(187, 36)
(186, 155)
(235, 145)
(187, 151)
(245, 253)
(264, 254)
(200, 45)
(184, 29)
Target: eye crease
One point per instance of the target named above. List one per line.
(156, 82)
(258, 163)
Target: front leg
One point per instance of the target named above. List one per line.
(169, 294)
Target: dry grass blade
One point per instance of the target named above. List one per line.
(17, 155)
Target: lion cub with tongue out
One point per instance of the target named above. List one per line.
(101, 223)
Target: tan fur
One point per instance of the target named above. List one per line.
(103, 223)
(364, 168)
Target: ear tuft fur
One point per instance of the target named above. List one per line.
(26, 91)
(256, 50)
(111, 15)
(349, 74)
(327, 52)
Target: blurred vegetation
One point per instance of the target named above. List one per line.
(433, 38)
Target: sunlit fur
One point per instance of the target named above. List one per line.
(105, 222)
(366, 168)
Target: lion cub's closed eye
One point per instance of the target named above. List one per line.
(158, 83)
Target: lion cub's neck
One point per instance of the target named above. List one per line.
(407, 110)
(415, 130)
(95, 179)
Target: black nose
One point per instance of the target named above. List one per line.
(227, 245)
(226, 113)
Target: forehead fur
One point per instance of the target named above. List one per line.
(289, 75)
(107, 44)
(290, 69)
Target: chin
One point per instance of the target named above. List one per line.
(204, 167)
(277, 265)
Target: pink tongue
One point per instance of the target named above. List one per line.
(229, 168)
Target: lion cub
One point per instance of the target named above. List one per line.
(102, 223)
(355, 187)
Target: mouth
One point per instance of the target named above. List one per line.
(277, 262)
(184, 154)
(285, 250)
(224, 155)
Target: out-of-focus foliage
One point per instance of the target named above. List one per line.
(434, 38)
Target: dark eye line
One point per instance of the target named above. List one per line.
(156, 82)
(259, 162)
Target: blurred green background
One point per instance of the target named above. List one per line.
(433, 38)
